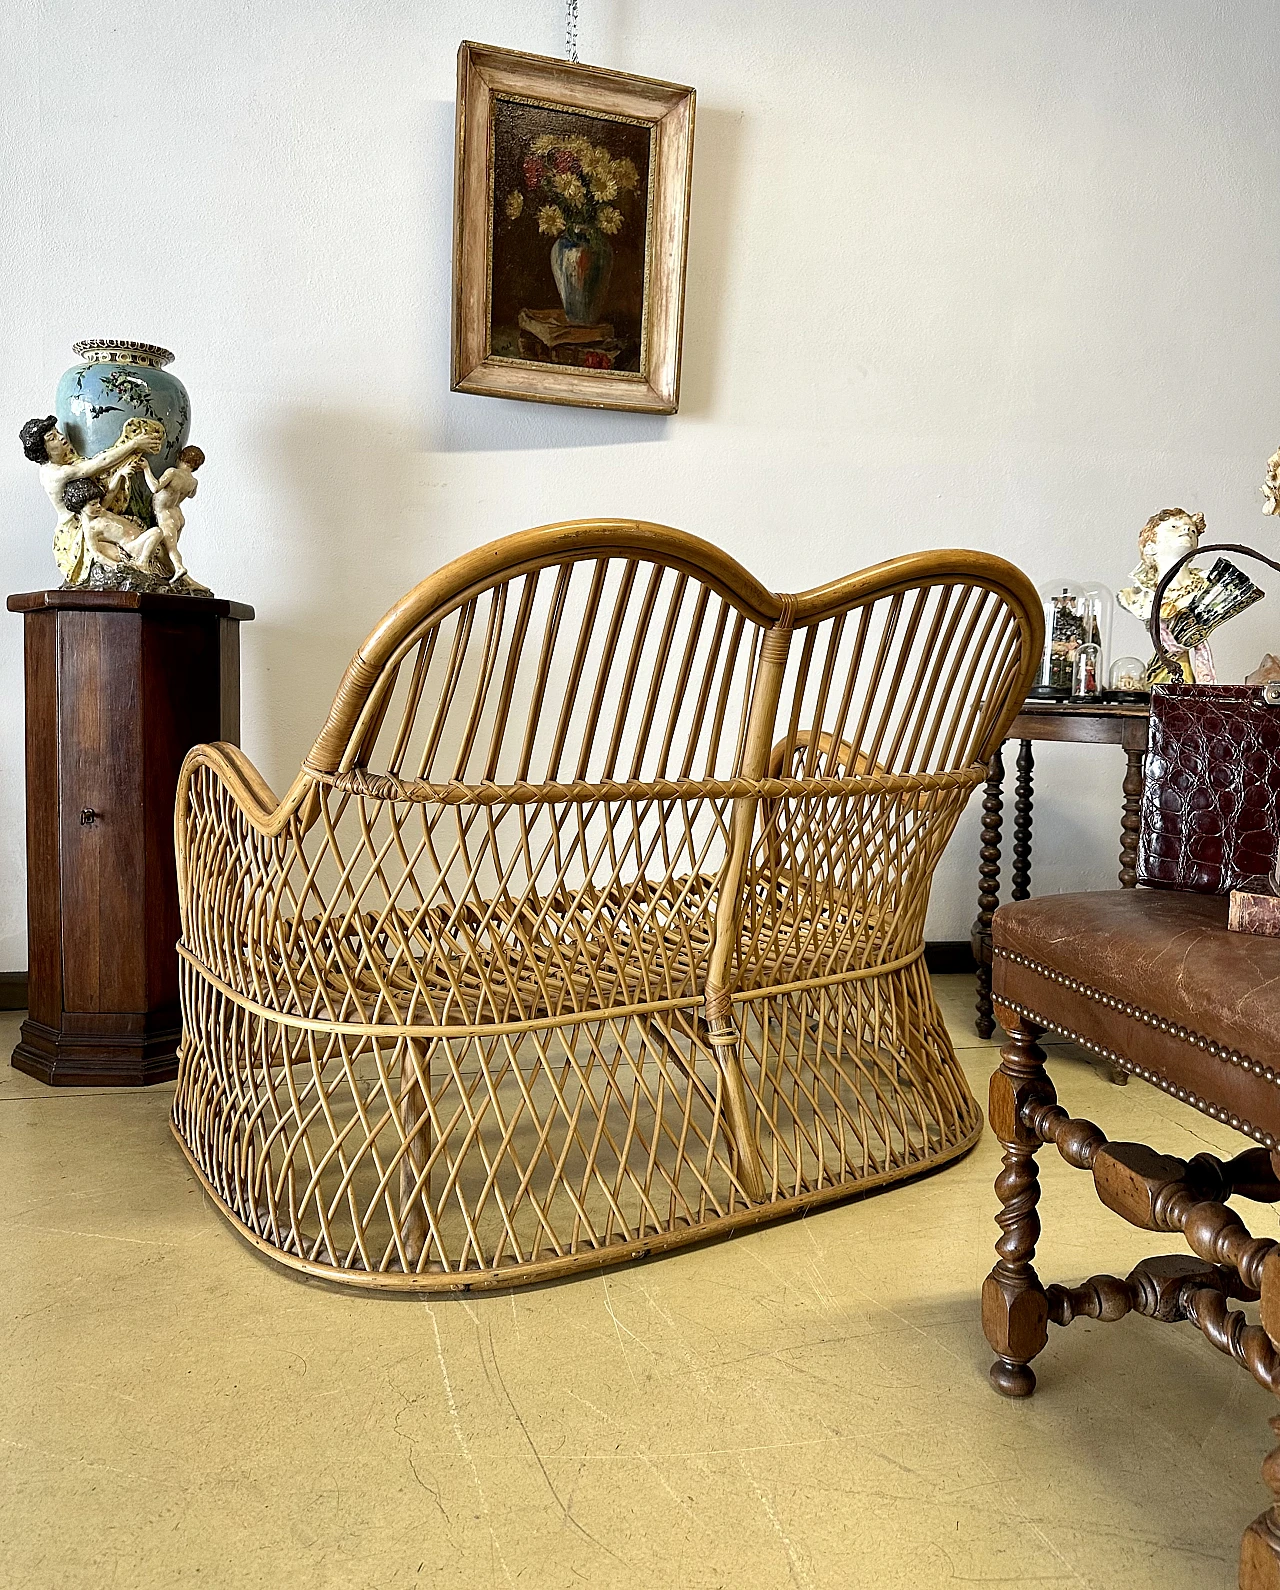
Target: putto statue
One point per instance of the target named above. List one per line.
(167, 497)
(1271, 486)
(1195, 603)
(115, 465)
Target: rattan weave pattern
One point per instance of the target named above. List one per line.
(593, 923)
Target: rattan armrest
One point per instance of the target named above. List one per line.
(252, 795)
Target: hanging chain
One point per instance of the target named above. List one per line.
(571, 30)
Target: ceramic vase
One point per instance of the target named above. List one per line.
(581, 263)
(116, 382)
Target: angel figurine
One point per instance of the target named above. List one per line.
(168, 494)
(1195, 603)
(1271, 487)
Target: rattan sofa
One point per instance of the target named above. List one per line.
(593, 923)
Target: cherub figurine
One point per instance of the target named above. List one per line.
(110, 539)
(1271, 489)
(60, 464)
(168, 494)
(1164, 538)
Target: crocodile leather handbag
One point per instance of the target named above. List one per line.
(1211, 800)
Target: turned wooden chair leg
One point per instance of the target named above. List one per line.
(1260, 1548)
(1015, 1316)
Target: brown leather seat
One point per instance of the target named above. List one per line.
(1152, 980)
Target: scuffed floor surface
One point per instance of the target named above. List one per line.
(805, 1406)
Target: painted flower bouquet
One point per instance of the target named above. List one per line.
(580, 183)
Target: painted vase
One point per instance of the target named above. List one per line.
(116, 382)
(581, 263)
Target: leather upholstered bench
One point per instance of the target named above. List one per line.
(1151, 980)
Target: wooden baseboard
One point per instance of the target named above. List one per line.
(950, 955)
(13, 990)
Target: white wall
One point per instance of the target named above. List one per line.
(982, 273)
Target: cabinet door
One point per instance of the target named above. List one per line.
(182, 689)
(100, 772)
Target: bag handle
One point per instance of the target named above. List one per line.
(1157, 601)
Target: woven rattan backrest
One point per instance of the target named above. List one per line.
(908, 680)
(593, 653)
(598, 669)
(898, 685)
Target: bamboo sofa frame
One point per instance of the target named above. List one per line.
(592, 925)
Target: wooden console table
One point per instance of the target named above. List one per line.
(119, 687)
(1106, 724)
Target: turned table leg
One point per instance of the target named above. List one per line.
(988, 889)
(1020, 873)
(1132, 788)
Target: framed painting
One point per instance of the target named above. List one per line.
(571, 218)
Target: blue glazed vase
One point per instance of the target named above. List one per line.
(581, 263)
(114, 383)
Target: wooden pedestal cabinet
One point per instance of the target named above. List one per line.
(119, 686)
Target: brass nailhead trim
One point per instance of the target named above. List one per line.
(1147, 1075)
(1232, 1056)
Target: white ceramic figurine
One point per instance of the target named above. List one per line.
(1164, 538)
(168, 494)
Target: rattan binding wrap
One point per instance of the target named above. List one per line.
(593, 923)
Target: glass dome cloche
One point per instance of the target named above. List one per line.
(1100, 605)
(1086, 672)
(1066, 611)
(1128, 680)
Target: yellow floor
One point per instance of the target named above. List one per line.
(804, 1406)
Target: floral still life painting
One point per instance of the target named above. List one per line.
(568, 245)
(570, 232)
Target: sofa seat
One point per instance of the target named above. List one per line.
(1152, 980)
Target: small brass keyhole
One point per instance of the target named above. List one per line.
(88, 816)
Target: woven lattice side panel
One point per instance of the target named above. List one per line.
(851, 1081)
(836, 885)
(393, 1154)
(383, 912)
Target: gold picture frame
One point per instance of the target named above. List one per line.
(571, 226)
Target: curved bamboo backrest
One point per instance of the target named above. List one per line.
(564, 653)
(608, 651)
